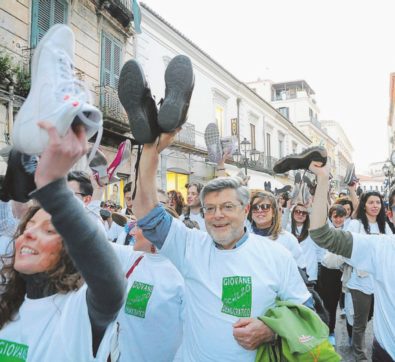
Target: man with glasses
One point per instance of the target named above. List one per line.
(80, 183)
(231, 276)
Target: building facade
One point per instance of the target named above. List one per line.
(295, 101)
(104, 39)
(343, 148)
(218, 97)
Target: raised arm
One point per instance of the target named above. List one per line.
(336, 241)
(87, 246)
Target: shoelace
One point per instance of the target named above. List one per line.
(77, 91)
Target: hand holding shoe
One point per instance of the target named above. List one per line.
(164, 140)
(319, 170)
(60, 154)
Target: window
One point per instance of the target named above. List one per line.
(311, 114)
(294, 147)
(284, 111)
(281, 138)
(268, 145)
(46, 13)
(177, 181)
(111, 54)
(219, 117)
(252, 136)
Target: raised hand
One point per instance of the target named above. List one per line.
(60, 154)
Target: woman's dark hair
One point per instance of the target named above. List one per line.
(275, 228)
(345, 201)
(305, 228)
(63, 278)
(179, 200)
(361, 212)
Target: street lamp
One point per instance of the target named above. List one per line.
(388, 172)
(242, 157)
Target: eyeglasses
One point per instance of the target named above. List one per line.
(337, 216)
(263, 207)
(301, 212)
(80, 193)
(225, 208)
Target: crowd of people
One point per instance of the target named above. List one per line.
(230, 274)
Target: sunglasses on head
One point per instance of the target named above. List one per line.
(301, 212)
(262, 207)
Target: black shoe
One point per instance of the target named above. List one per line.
(350, 179)
(19, 178)
(283, 190)
(311, 185)
(135, 96)
(180, 81)
(302, 160)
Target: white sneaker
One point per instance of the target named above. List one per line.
(55, 95)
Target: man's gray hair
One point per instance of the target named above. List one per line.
(222, 183)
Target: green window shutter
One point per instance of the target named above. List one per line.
(117, 64)
(110, 61)
(46, 13)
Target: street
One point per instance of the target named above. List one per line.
(342, 346)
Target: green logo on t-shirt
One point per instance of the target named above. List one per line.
(138, 297)
(12, 352)
(236, 296)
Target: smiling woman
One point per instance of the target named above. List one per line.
(62, 281)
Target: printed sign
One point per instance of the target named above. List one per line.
(237, 296)
(137, 300)
(234, 127)
(12, 352)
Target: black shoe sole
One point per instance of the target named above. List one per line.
(180, 81)
(135, 96)
(301, 161)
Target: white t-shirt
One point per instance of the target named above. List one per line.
(310, 252)
(151, 319)
(55, 328)
(112, 231)
(290, 242)
(198, 218)
(376, 255)
(359, 280)
(223, 286)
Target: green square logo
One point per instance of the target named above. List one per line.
(12, 352)
(237, 296)
(138, 297)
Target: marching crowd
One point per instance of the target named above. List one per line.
(232, 274)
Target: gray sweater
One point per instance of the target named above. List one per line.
(91, 253)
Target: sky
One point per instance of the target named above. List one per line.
(344, 49)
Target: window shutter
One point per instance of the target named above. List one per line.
(106, 61)
(59, 12)
(117, 64)
(111, 61)
(45, 14)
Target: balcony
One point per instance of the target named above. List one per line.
(191, 141)
(114, 116)
(119, 9)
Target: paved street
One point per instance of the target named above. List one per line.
(342, 346)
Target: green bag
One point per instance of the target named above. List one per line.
(303, 337)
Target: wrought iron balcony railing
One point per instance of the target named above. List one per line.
(113, 113)
(119, 9)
